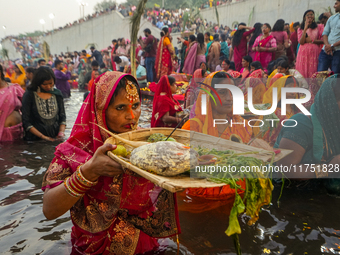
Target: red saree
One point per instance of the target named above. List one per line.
(120, 215)
(163, 64)
(164, 102)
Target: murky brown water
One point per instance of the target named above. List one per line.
(307, 221)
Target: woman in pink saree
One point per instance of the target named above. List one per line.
(310, 38)
(264, 46)
(195, 55)
(113, 210)
(10, 104)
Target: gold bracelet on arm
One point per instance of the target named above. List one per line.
(77, 185)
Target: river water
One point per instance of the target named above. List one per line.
(305, 222)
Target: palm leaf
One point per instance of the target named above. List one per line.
(217, 16)
(47, 51)
(4, 53)
(251, 15)
(135, 23)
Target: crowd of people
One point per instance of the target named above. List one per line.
(107, 214)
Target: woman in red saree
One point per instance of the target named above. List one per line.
(265, 46)
(165, 53)
(216, 197)
(114, 211)
(240, 44)
(165, 106)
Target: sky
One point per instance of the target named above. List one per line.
(20, 16)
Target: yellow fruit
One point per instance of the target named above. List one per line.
(120, 151)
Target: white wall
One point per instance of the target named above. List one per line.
(12, 53)
(101, 30)
(265, 11)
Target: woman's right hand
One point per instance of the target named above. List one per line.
(101, 164)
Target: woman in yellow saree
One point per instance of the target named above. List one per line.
(19, 76)
(210, 198)
(270, 135)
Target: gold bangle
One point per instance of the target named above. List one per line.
(69, 189)
(83, 180)
(77, 186)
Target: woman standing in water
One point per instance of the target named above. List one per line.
(114, 211)
(42, 109)
(10, 104)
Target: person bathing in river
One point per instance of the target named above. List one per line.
(114, 211)
(315, 139)
(42, 109)
(10, 104)
(165, 106)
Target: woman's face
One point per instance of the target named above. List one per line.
(280, 69)
(118, 114)
(309, 16)
(290, 95)
(245, 63)
(17, 70)
(252, 69)
(226, 98)
(225, 66)
(204, 67)
(173, 88)
(96, 74)
(47, 85)
(265, 29)
(228, 41)
(123, 42)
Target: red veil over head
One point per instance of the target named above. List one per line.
(163, 102)
(119, 215)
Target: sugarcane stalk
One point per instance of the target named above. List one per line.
(135, 23)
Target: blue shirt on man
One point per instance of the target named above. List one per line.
(332, 30)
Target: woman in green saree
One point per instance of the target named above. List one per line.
(315, 139)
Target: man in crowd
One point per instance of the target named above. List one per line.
(149, 46)
(61, 79)
(88, 75)
(324, 17)
(121, 62)
(85, 56)
(41, 62)
(97, 55)
(76, 59)
(29, 75)
(330, 54)
(141, 75)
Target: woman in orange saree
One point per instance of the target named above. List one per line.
(19, 76)
(216, 197)
(113, 210)
(165, 53)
